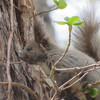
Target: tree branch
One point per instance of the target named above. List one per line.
(21, 86)
(46, 11)
(54, 66)
(78, 68)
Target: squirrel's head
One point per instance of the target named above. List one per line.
(33, 52)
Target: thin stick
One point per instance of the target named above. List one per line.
(92, 85)
(8, 51)
(85, 73)
(62, 86)
(18, 62)
(70, 80)
(21, 86)
(54, 66)
(78, 68)
(75, 81)
(45, 51)
(46, 11)
(53, 98)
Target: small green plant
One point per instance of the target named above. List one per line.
(75, 20)
(93, 92)
(61, 4)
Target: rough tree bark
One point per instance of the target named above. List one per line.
(21, 73)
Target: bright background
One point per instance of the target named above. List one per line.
(72, 9)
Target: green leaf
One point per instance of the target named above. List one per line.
(61, 4)
(93, 92)
(79, 23)
(73, 20)
(66, 18)
(56, 2)
(60, 22)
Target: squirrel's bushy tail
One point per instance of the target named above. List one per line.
(87, 37)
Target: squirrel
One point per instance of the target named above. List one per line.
(84, 50)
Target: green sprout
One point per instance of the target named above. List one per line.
(75, 20)
(93, 92)
(61, 4)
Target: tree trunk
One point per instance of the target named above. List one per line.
(21, 73)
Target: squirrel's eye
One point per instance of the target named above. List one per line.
(29, 48)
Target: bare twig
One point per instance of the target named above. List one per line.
(78, 68)
(92, 85)
(45, 51)
(21, 86)
(18, 62)
(69, 41)
(62, 86)
(75, 81)
(54, 66)
(85, 73)
(46, 11)
(53, 98)
(92, 69)
(8, 51)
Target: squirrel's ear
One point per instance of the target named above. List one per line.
(40, 31)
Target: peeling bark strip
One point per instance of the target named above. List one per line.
(8, 52)
(23, 11)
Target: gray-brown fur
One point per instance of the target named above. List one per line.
(75, 57)
(87, 38)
